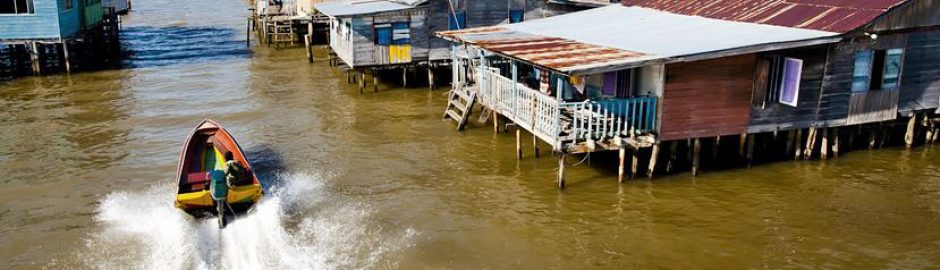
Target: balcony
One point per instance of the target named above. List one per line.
(574, 127)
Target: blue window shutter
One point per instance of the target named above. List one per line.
(383, 34)
(892, 72)
(516, 15)
(862, 73)
(401, 34)
(790, 86)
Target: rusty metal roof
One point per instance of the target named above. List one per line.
(827, 15)
(588, 42)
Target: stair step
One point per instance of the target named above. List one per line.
(453, 115)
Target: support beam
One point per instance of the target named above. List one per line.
(835, 142)
(810, 143)
(716, 148)
(308, 47)
(653, 157)
(535, 145)
(749, 156)
(404, 77)
(375, 82)
(872, 137)
(430, 77)
(34, 58)
(518, 143)
(797, 145)
(742, 144)
(911, 129)
(673, 148)
(362, 81)
(495, 122)
(561, 169)
(65, 57)
(824, 147)
(696, 150)
(621, 169)
(635, 162)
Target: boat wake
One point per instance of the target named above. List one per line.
(297, 225)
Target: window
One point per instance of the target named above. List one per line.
(383, 34)
(777, 80)
(516, 15)
(401, 34)
(348, 31)
(16, 6)
(69, 4)
(877, 70)
(458, 20)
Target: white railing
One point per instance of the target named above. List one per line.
(565, 122)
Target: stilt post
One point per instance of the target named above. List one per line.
(535, 145)
(696, 149)
(911, 129)
(797, 145)
(824, 147)
(561, 169)
(518, 143)
(653, 157)
(623, 156)
(65, 56)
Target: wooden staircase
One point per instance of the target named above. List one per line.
(459, 105)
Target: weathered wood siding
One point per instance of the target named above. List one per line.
(70, 21)
(913, 14)
(92, 12)
(43, 24)
(920, 77)
(775, 116)
(707, 98)
(873, 106)
(480, 13)
(338, 40)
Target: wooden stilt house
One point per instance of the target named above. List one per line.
(647, 72)
(41, 30)
(399, 33)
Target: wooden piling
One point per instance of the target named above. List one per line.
(623, 156)
(835, 142)
(872, 137)
(653, 157)
(810, 143)
(750, 150)
(404, 77)
(911, 129)
(742, 144)
(518, 143)
(561, 169)
(495, 122)
(824, 147)
(375, 82)
(65, 57)
(535, 145)
(635, 152)
(796, 145)
(716, 147)
(430, 78)
(696, 149)
(673, 147)
(308, 46)
(34, 58)
(362, 81)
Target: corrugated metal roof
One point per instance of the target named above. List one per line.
(360, 7)
(828, 15)
(615, 37)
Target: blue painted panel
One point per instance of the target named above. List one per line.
(70, 21)
(44, 23)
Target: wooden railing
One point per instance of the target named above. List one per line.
(565, 122)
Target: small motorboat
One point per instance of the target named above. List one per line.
(202, 159)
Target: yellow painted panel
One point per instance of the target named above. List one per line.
(244, 193)
(198, 198)
(399, 53)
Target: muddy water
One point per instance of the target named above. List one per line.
(379, 181)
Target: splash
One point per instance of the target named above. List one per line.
(298, 225)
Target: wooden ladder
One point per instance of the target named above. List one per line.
(459, 105)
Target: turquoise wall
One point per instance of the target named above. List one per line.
(46, 22)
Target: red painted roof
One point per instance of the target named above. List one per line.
(827, 15)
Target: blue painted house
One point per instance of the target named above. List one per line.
(46, 20)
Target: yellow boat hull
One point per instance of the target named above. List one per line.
(203, 199)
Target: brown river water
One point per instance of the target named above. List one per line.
(380, 181)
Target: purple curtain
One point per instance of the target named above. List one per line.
(790, 89)
(610, 84)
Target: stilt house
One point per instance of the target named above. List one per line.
(647, 72)
(396, 33)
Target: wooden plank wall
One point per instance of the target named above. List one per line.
(920, 78)
(775, 116)
(43, 24)
(873, 106)
(481, 13)
(707, 98)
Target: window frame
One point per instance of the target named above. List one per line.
(30, 8)
(873, 55)
(884, 72)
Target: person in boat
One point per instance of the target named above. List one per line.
(234, 171)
